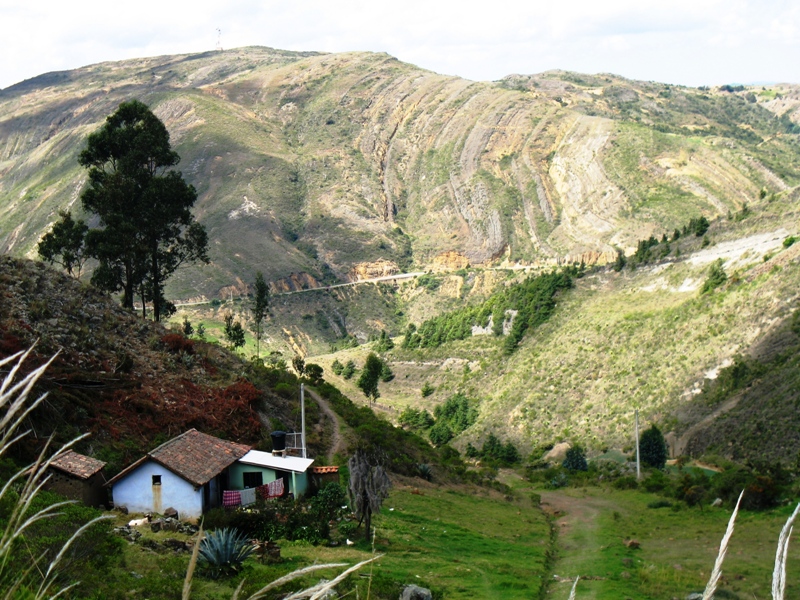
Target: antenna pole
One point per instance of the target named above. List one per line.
(303, 418)
(638, 467)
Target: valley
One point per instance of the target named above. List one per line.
(531, 262)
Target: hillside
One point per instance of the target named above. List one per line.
(645, 339)
(325, 164)
(130, 383)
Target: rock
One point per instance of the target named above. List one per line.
(558, 453)
(633, 544)
(171, 513)
(123, 509)
(415, 592)
(170, 524)
(717, 503)
(156, 525)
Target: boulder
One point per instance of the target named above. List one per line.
(156, 525)
(558, 453)
(415, 592)
(171, 513)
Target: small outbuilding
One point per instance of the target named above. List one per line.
(257, 468)
(78, 477)
(187, 473)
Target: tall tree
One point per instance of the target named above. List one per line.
(260, 306)
(653, 448)
(146, 228)
(370, 375)
(65, 244)
(369, 486)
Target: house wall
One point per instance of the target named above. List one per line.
(298, 482)
(137, 492)
(89, 491)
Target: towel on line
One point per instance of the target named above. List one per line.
(231, 498)
(248, 496)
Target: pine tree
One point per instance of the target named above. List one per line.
(653, 448)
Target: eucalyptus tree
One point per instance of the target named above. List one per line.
(260, 306)
(146, 230)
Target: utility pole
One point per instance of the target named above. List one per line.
(638, 467)
(303, 418)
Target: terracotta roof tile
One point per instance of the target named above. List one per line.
(324, 469)
(198, 457)
(77, 464)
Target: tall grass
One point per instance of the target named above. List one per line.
(26, 484)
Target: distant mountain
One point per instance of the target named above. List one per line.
(323, 164)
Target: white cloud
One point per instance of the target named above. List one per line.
(681, 41)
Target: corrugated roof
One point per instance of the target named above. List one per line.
(77, 464)
(194, 456)
(281, 463)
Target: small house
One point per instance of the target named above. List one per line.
(187, 473)
(257, 468)
(78, 477)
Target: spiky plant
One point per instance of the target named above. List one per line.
(23, 486)
(425, 471)
(223, 551)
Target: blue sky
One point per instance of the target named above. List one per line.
(690, 42)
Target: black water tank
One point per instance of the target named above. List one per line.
(278, 440)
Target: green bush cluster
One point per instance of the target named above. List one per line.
(494, 451)
(533, 299)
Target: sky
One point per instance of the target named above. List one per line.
(688, 42)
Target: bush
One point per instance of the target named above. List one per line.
(575, 460)
(626, 483)
(716, 277)
(427, 389)
(660, 504)
(653, 448)
(440, 434)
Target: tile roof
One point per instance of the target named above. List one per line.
(194, 456)
(198, 457)
(331, 469)
(77, 464)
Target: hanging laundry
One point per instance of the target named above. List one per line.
(248, 496)
(231, 498)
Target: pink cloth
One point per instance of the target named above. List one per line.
(231, 498)
(274, 489)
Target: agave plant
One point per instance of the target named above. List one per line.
(425, 471)
(223, 551)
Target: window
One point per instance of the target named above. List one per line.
(156, 479)
(253, 479)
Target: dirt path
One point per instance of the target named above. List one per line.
(336, 438)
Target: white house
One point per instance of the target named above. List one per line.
(187, 473)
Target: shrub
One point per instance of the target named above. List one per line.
(660, 504)
(349, 369)
(337, 367)
(427, 389)
(716, 277)
(653, 448)
(223, 552)
(626, 483)
(575, 460)
(177, 344)
(440, 434)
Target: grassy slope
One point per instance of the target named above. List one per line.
(618, 342)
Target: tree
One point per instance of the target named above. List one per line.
(653, 448)
(314, 372)
(370, 375)
(146, 228)
(187, 326)
(65, 244)
(260, 306)
(234, 332)
(575, 460)
(299, 364)
(369, 486)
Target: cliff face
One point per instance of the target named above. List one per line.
(317, 163)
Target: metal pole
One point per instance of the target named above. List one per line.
(638, 468)
(303, 418)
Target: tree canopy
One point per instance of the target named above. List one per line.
(653, 448)
(143, 206)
